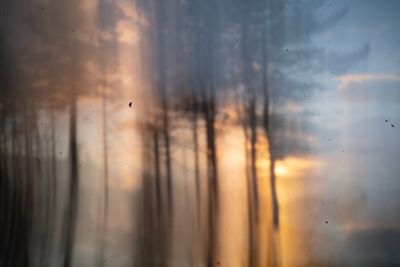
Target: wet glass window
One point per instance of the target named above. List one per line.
(258, 133)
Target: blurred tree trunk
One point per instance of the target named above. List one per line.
(162, 89)
(156, 146)
(71, 215)
(269, 136)
(195, 130)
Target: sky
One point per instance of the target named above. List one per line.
(361, 109)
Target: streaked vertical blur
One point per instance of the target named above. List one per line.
(199, 133)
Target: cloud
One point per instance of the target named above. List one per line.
(346, 81)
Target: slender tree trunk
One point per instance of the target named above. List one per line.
(71, 216)
(267, 129)
(253, 153)
(209, 111)
(162, 89)
(196, 152)
(252, 94)
(167, 153)
(157, 170)
(146, 248)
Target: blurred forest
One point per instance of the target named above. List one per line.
(204, 70)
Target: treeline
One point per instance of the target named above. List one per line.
(202, 56)
(47, 53)
(197, 57)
